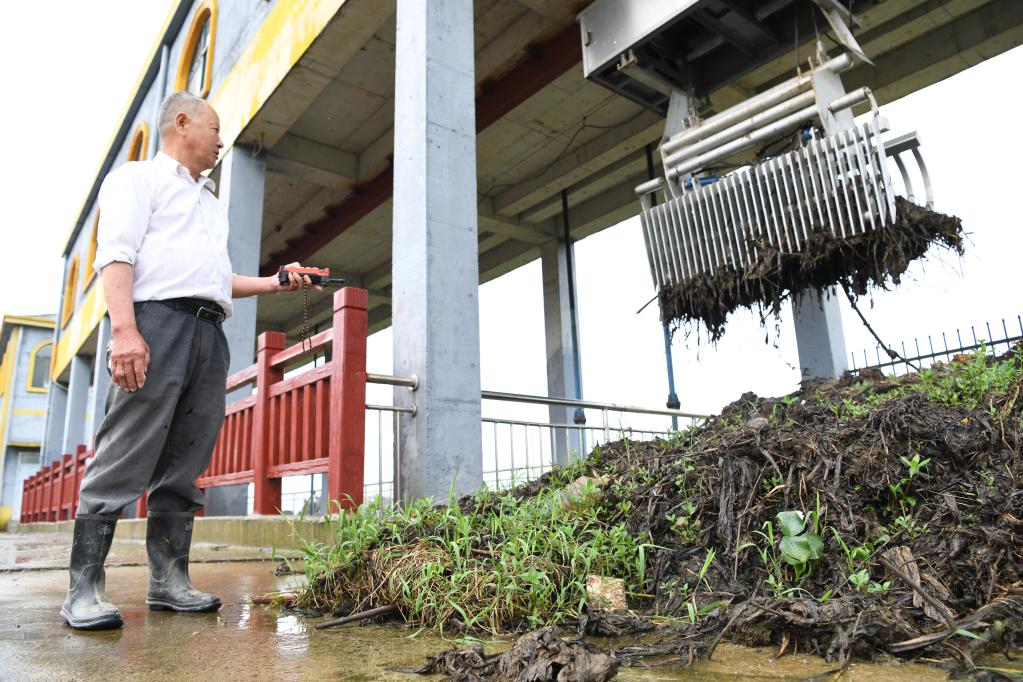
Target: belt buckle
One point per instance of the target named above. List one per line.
(209, 314)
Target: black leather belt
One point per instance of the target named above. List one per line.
(199, 307)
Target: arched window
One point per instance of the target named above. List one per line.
(138, 148)
(195, 70)
(90, 255)
(39, 367)
(70, 292)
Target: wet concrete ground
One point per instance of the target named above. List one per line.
(251, 642)
(38, 551)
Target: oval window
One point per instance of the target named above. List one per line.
(195, 70)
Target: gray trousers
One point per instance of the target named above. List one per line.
(161, 437)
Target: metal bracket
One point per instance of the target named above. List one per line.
(833, 12)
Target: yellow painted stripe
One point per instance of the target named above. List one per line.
(285, 35)
(29, 413)
(23, 445)
(81, 325)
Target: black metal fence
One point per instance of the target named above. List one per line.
(923, 353)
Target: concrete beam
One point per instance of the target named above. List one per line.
(491, 221)
(943, 52)
(379, 318)
(553, 9)
(313, 162)
(608, 208)
(580, 163)
(544, 63)
(350, 29)
(336, 219)
(623, 165)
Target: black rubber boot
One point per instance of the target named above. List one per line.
(168, 538)
(86, 606)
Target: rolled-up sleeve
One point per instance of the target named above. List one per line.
(124, 208)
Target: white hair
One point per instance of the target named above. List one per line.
(179, 103)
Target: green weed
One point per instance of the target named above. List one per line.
(499, 564)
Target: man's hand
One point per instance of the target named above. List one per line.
(129, 360)
(294, 281)
(242, 285)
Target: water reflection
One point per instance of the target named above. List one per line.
(292, 638)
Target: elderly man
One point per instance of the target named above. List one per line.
(162, 251)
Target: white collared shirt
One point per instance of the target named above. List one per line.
(170, 228)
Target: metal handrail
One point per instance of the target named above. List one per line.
(586, 404)
(390, 380)
(589, 427)
(392, 408)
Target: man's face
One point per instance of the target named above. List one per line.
(202, 138)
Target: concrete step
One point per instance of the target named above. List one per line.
(242, 531)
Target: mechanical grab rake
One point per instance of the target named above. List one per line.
(835, 180)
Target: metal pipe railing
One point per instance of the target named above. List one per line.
(389, 380)
(585, 404)
(391, 408)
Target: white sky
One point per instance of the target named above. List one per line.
(67, 86)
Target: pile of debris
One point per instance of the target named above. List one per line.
(877, 257)
(858, 517)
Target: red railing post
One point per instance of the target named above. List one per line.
(37, 496)
(141, 509)
(267, 498)
(26, 498)
(53, 507)
(347, 435)
(33, 497)
(68, 483)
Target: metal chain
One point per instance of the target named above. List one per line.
(305, 320)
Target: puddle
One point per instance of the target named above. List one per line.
(252, 642)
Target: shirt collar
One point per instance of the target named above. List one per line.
(174, 166)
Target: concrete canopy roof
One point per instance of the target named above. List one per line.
(542, 129)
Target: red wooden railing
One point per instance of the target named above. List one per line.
(314, 422)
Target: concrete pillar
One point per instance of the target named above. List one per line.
(435, 293)
(563, 377)
(242, 181)
(53, 435)
(819, 335)
(100, 377)
(818, 320)
(77, 404)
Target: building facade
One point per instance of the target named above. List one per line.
(26, 347)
